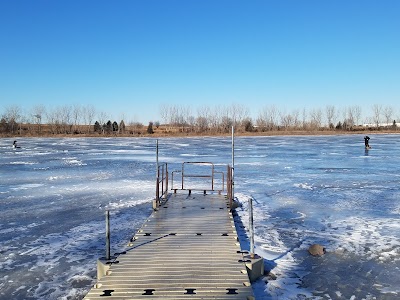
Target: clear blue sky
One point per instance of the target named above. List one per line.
(130, 57)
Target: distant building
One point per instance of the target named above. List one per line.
(380, 125)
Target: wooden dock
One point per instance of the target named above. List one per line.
(187, 249)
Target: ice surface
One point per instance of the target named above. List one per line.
(305, 190)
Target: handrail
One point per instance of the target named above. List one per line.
(189, 176)
(162, 182)
(194, 178)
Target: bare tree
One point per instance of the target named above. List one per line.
(377, 110)
(261, 123)
(296, 120)
(238, 113)
(185, 112)
(102, 117)
(90, 112)
(226, 124)
(136, 127)
(76, 116)
(13, 115)
(164, 113)
(176, 115)
(214, 118)
(29, 121)
(173, 115)
(316, 118)
(66, 118)
(191, 122)
(388, 114)
(273, 117)
(223, 119)
(202, 119)
(357, 114)
(286, 119)
(52, 116)
(304, 118)
(350, 116)
(268, 117)
(331, 115)
(201, 124)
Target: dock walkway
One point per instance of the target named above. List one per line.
(187, 249)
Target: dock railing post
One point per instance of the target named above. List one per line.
(251, 228)
(107, 235)
(103, 263)
(233, 165)
(255, 267)
(157, 199)
(166, 180)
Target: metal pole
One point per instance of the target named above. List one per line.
(183, 175)
(233, 163)
(166, 180)
(157, 157)
(251, 227)
(157, 177)
(107, 235)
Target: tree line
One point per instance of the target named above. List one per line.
(220, 119)
(66, 119)
(78, 119)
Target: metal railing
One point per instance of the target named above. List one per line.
(162, 182)
(200, 176)
(194, 176)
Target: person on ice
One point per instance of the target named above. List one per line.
(15, 145)
(366, 140)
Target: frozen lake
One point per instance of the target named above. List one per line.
(309, 189)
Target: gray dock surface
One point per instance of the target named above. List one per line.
(188, 249)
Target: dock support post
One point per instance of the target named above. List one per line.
(103, 263)
(251, 227)
(103, 266)
(255, 268)
(156, 201)
(107, 235)
(233, 164)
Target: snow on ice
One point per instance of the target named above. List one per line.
(305, 190)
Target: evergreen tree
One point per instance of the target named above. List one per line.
(150, 128)
(97, 127)
(122, 126)
(108, 127)
(115, 126)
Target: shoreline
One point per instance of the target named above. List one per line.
(185, 134)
